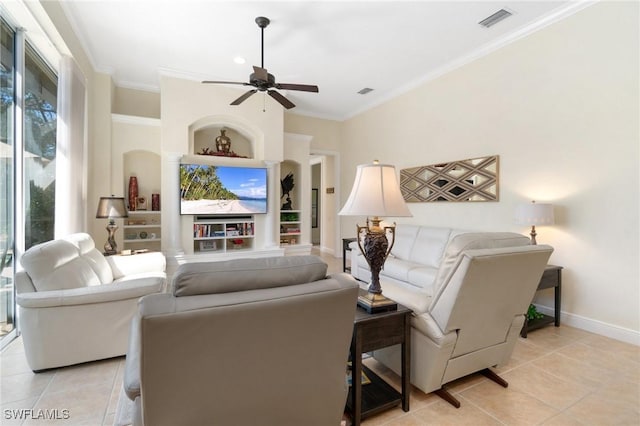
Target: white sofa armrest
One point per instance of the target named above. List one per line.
(93, 294)
(136, 264)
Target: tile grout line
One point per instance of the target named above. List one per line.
(113, 386)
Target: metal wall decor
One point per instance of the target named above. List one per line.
(475, 179)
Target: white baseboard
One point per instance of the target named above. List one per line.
(594, 326)
(330, 251)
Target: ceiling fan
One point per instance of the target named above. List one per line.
(265, 82)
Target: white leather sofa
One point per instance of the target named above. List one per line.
(75, 305)
(243, 342)
(414, 260)
(468, 291)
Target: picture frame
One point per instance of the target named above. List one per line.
(141, 203)
(314, 207)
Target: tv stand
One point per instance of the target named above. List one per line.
(223, 234)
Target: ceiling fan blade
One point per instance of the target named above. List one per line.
(225, 82)
(261, 73)
(300, 87)
(244, 97)
(283, 101)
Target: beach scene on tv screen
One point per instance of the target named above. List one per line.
(222, 190)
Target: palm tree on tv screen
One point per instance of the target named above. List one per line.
(199, 182)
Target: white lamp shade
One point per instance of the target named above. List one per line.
(111, 207)
(535, 214)
(375, 192)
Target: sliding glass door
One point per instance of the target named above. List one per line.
(40, 125)
(28, 125)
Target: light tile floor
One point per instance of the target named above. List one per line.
(557, 376)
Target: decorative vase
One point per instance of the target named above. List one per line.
(223, 142)
(155, 202)
(133, 192)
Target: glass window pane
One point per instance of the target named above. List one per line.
(40, 117)
(7, 107)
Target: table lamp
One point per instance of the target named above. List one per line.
(111, 208)
(375, 193)
(534, 214)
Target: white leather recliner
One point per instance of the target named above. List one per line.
(75, 305)
(243, 342)
(484, 285)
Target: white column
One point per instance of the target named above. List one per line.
(170, 204)
(272, 224)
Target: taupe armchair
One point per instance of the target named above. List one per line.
(243, 342)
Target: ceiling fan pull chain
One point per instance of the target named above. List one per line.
(264, 102)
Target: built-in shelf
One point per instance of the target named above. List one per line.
(290, 230)
(142, 230)
(223, 235)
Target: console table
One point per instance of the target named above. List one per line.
(551, 278)
(370, 332)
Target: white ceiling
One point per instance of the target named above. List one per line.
(390, 46)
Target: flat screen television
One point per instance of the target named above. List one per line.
(222, 190)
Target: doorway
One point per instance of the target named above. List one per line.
(326, 165)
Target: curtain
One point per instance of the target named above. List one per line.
(71, 151)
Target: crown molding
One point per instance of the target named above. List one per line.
(135, 119)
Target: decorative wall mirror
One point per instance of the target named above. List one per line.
(475, 179)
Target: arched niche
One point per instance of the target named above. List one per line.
(293, 167)
(247, 140)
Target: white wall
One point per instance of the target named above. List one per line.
(560, 108)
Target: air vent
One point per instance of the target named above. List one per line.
(365, 90)
(495, 18)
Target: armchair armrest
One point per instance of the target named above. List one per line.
(93, 294)
(136, 264)
(131, 380)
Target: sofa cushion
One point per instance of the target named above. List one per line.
(94, 258)
(472, 241)
(410, 272)
(404, 239)
(57, 265)
(397, 268)
(423, 277)
(246, 274)
(429, 246)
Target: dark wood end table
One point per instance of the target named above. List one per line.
(551, 278)
(376, 331)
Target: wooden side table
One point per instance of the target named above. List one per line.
(345, 249)
(551, 278)
(376, 331)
